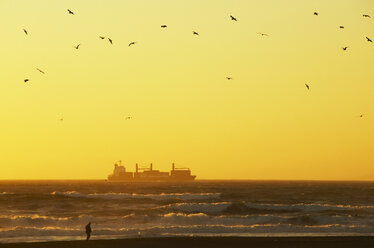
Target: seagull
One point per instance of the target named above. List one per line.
(77, 47)
(195, 33)
(307, 86)
(102, 37)
(70, 12)
(233, 18)
(341, 27)
(132, 43)
(366, 16)
(345, 48)
(128, 117)
(26, 80)
(369, 39)
(228, 78)
(40, 70)
(262, 34)
(24, 30)
(315, 13)
(164, 26)
(110, 40)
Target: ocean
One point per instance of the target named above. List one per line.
(59, 210)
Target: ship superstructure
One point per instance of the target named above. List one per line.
(148, 174)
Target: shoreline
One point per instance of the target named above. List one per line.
(216, 242)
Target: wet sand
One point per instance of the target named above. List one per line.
(210, 242)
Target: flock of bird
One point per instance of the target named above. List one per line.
(194, 33)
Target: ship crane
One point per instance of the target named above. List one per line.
(179, 168)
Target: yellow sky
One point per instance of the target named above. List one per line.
(263, 124)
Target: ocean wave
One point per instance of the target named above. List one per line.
(40, 221)
(162, 196)
(160, 230)
(204, 219)
(242, 208)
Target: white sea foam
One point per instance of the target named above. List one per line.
(208, 208)
(160, 230)
(41, 221)
(232, 208)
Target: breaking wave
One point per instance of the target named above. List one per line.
(251, 208)
(160, 230)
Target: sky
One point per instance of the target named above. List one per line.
(262, 124)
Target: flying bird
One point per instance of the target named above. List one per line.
(132, 43)
(128, 117)
(26, 80)
(62, 118)
(228, 78)
(262, 34)
(110, 40)
(40, 70)
(195, 33)
(102, 37)
(77, 47)
(70, 12)
(164, 26)
(366, 16)
(341, 27)
(345, 48)
(233, 18)
(369, 39)
(307, 86)
(315, 13)
(24, 30)
(361, 115)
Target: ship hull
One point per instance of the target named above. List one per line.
(119, 179)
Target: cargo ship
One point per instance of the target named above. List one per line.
(148, 174)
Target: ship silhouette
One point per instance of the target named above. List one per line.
(148, 174)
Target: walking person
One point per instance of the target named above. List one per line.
(88, 230)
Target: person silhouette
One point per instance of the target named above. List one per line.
(88, 230)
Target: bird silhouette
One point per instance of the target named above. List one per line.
(77, 47)
(164, 26)
(26, 80)
(132, 43)
(128, 117)
(110, 40)
(70, 12)
(361, 115)
(228, 78)
(262, 34)
(369, 39)
(341, 27)
(40, 70)
(195, 33)
(307, 86)
(366, 16)
(24, 30)
(344, 48)
(315, 13)
(102, 37)
(233, 18)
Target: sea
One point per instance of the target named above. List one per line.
(33, 211)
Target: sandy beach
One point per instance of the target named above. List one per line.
(216, 242)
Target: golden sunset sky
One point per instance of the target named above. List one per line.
(263, 124)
